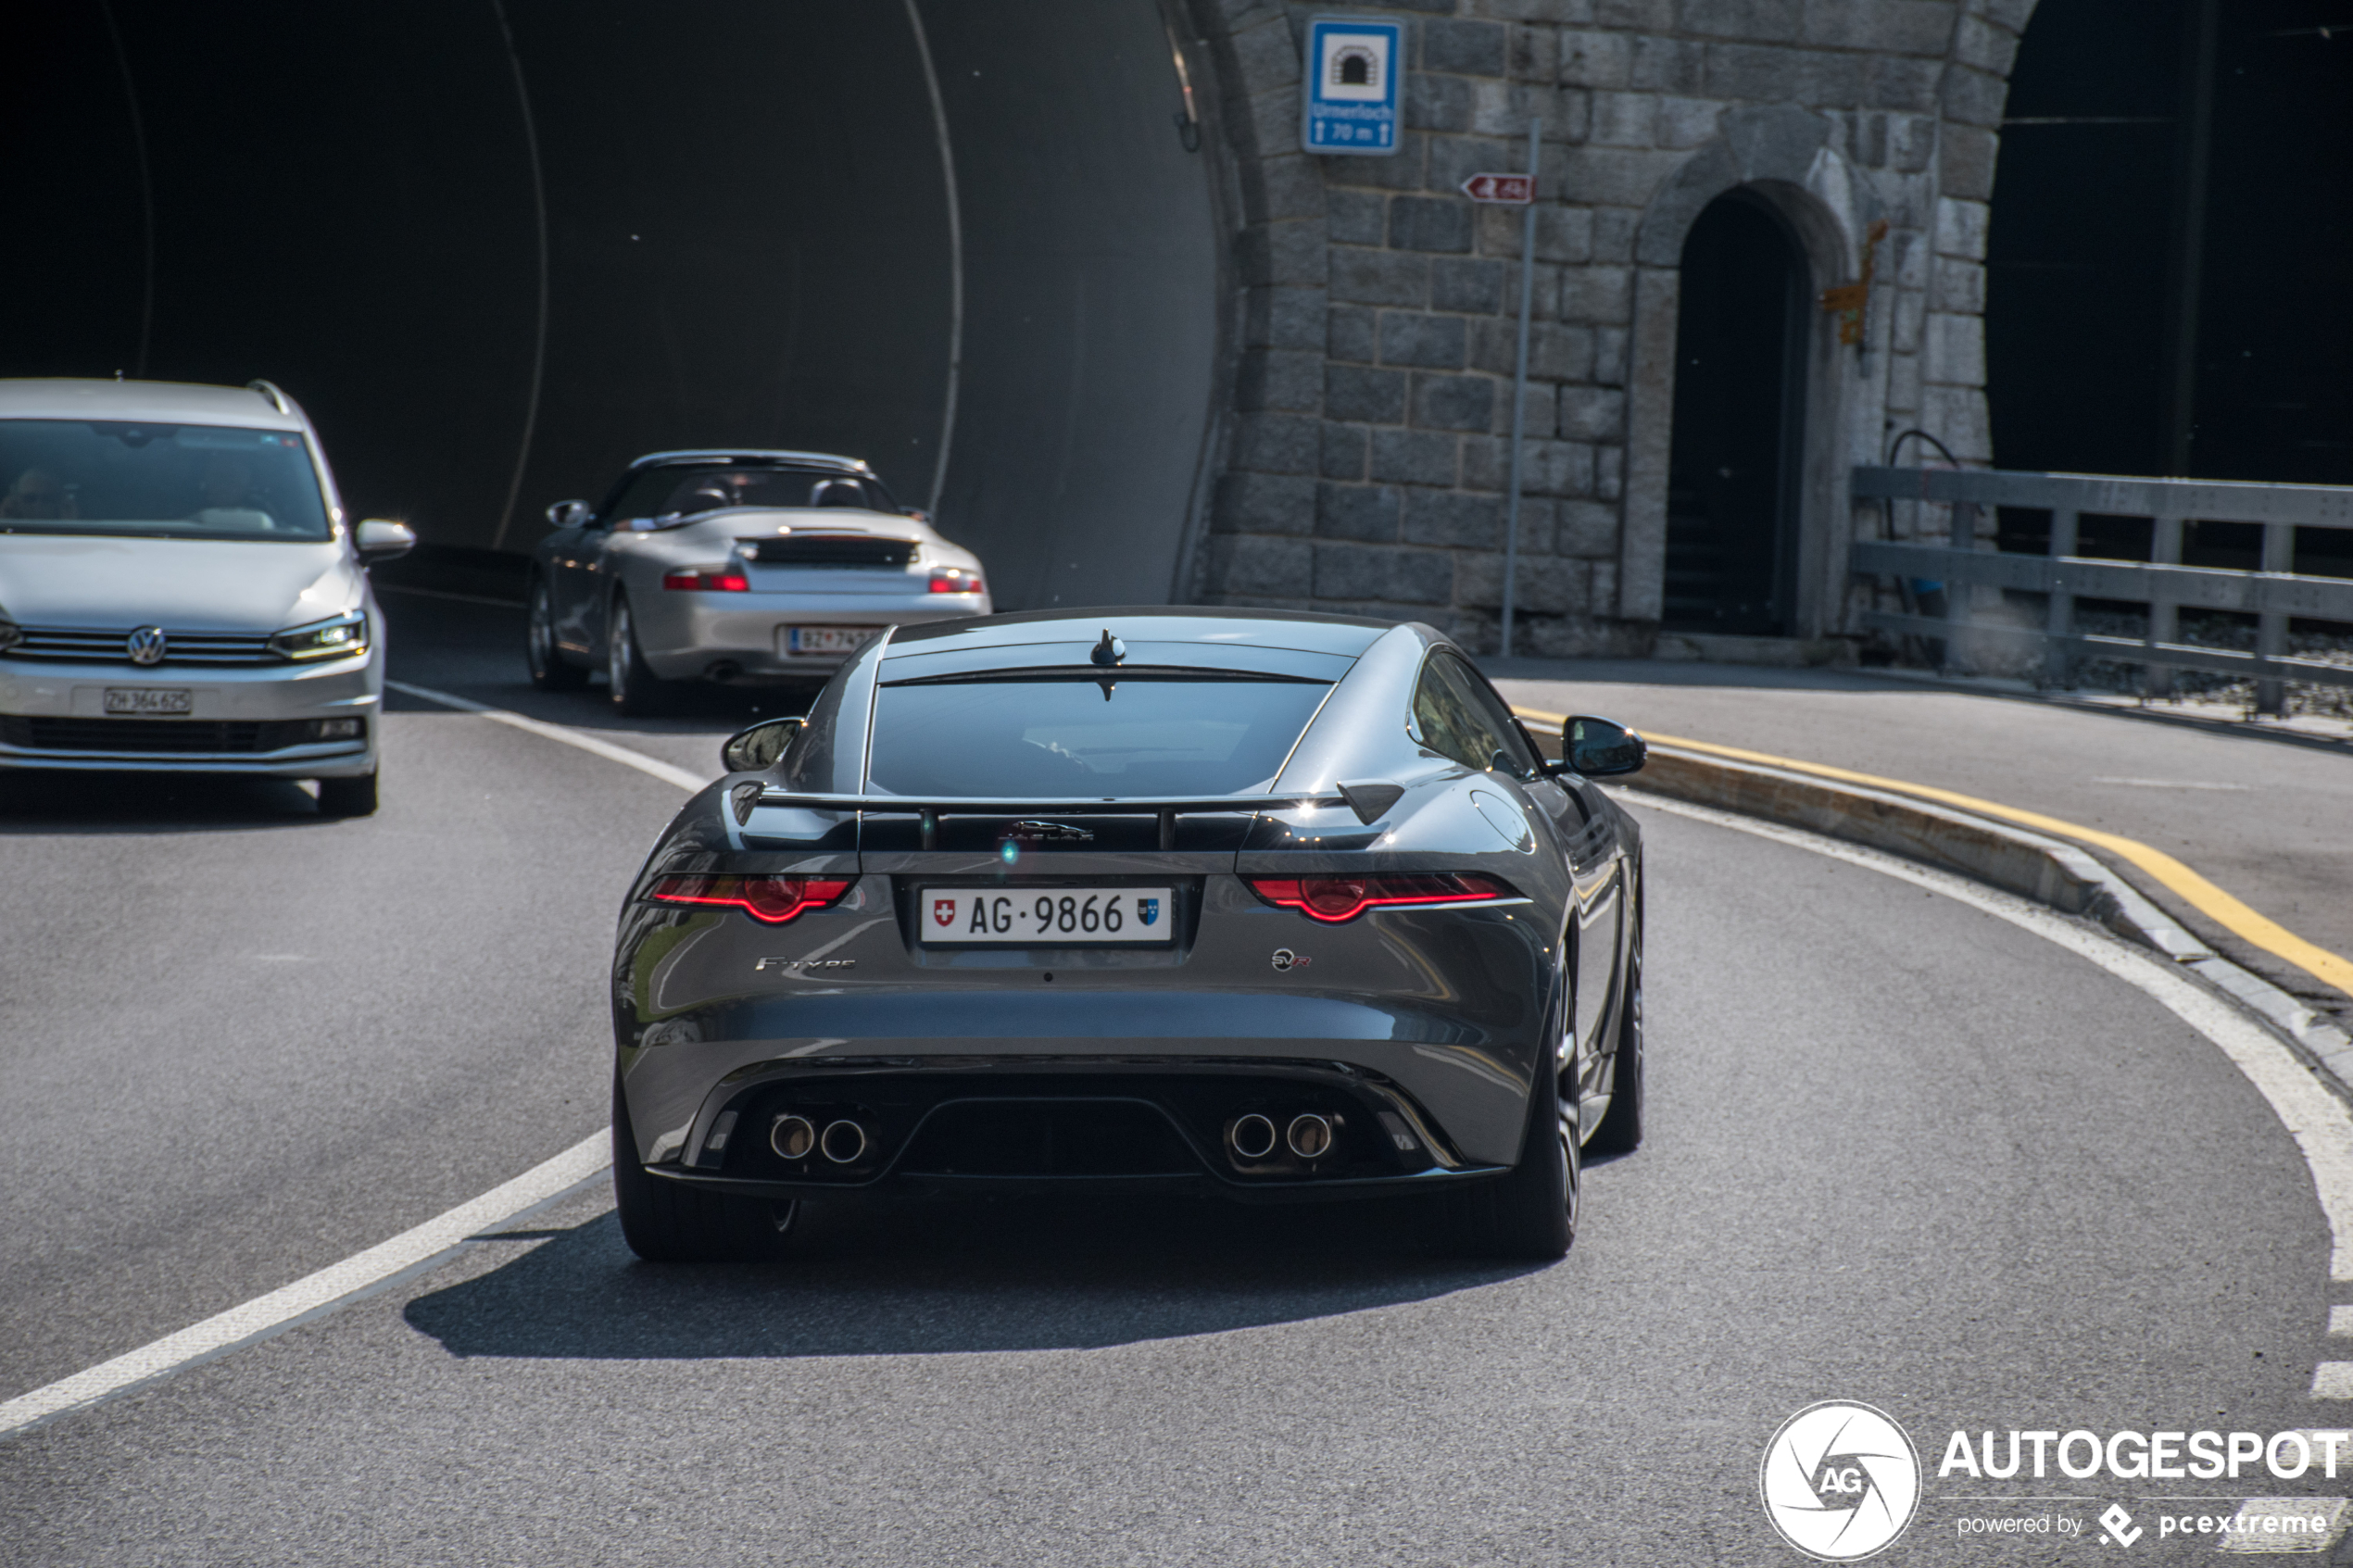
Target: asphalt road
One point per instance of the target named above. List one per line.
(1901, 1151)
(2263, 815)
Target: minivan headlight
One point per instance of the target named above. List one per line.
(324, 639)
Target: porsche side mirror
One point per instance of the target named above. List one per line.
(377, 540)
(760, 747)
(1600, 748)
(567, 514)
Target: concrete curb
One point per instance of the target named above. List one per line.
(2049, 871)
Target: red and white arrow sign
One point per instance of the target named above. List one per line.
(1511, 190)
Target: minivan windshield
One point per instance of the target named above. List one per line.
(1057, 739)
(177, 481)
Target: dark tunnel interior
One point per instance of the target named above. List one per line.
(499, 247)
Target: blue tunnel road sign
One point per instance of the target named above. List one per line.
(1351, 75)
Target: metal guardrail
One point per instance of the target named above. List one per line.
(2273, 595)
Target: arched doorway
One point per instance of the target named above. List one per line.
(1740, 406)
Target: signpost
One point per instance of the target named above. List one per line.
(1515, 190)
(1351, 74)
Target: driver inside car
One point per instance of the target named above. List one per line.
(39, 494)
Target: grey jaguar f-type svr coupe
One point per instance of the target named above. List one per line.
(1267, 905)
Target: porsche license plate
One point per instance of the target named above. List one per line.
(1043, 917)
(824, 639)
(148, 700)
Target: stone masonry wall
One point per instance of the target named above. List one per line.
(1366, 445)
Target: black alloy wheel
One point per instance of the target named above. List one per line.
(666, 1223)
(637, 690)
(1530, 1213)
(549, 670)
(1621, 1128)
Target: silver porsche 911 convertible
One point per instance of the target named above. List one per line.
(1267, 905)
(733, 566)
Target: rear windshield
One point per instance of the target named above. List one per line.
(187, 481)
(1056, 739)
(671, 489)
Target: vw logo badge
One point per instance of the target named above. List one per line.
(148, 645)
(1840, 1481)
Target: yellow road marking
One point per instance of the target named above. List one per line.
(2192, 889)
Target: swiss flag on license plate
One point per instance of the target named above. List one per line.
(944, 910)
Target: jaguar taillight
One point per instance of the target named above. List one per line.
(1334, 899)
(772, 900)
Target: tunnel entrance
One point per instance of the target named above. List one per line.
(499, 251)
(1740, 372)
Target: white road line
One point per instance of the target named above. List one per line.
(380, 1268)
(2316, 1119)
(665, 771)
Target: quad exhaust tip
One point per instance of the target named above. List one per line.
(1309, 1136)
(842, 1142)
(1253, 1136)
(792, 1137)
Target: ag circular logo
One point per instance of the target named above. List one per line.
(1840, 1481)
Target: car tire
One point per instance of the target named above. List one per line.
(549, 670)
(668, 1222)
(637, 692)
(1621, 1128)
(1529, 1214)
(348, 797)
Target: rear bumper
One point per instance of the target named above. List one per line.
(1029, 1124)
(684, 635)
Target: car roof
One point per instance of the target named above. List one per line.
(158, 402)
(1207, 625)
(752, 455)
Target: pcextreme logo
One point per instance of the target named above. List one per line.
(1840, 1481)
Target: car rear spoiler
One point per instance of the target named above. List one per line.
(1166, 809)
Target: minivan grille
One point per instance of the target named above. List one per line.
(829, 549)
(114, 647)
(238, 735)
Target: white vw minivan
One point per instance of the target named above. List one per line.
(180, 589)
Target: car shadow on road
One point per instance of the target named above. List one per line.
(948, 1277)
(38, 803)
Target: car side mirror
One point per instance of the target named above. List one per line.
(1601, 748)
(760, 747)
(378, 540)
(567, 514)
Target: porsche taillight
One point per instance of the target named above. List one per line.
(1333, 899)
(726, 579)
(772, 900)
(954, 580)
